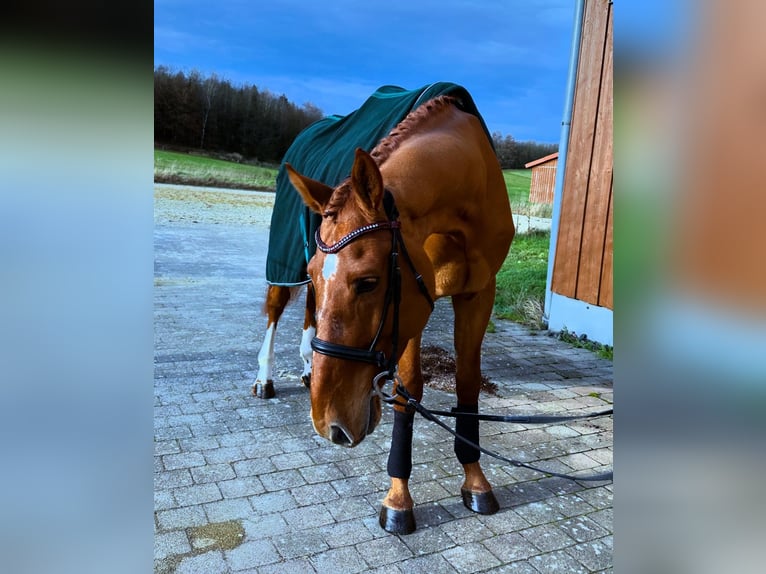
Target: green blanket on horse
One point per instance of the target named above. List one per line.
(325, 151)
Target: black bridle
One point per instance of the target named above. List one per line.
(393, 295)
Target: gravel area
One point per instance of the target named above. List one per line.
(186, 204)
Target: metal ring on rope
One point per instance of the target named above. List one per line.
(396, 382)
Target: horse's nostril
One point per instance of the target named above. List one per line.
(339, 436)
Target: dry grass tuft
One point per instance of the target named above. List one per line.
(533, 313)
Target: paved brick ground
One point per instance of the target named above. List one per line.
(244, 485)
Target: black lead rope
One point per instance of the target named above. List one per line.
(524, 419)
(431, 416)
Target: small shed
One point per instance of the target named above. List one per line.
(543, 178)
(579, 296)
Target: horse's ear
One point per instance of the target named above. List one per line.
(315, 194)
(367, 181)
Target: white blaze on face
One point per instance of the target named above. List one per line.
(330, 266)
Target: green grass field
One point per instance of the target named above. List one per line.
(192, 169)
(187, 169)
(520, 292)
(518, 181)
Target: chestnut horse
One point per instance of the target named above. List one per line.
(424, 215)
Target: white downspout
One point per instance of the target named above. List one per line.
(566, 123)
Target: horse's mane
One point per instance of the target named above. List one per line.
(403, 129)
(385, 147)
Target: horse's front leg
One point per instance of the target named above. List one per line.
(309, 332)
(396, 514)
(472, 314)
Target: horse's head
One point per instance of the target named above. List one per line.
(352, 281)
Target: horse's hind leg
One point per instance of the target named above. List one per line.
(276, 301)
(309, 331)
(472, 314)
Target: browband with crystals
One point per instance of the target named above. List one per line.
(346, 239)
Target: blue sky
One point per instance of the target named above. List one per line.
(511, 55)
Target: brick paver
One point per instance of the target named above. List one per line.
(305, 505)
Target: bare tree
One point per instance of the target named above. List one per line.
(209, 88)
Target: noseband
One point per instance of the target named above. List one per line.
(392, 297)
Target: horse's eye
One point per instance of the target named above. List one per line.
(365, 285)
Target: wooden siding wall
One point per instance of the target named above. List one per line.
(583, 267)
(543, 182)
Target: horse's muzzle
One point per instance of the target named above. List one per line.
(339, 434)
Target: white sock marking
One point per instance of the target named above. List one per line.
(266, 356)
(306, 351)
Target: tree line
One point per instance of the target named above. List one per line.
(209, 113)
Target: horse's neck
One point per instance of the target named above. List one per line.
(439, 177)
(423, 212)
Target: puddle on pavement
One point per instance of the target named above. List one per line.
(216, 536)
(219, 535)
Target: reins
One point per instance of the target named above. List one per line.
(413, 404)
(379, 358)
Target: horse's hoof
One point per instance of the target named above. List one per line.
(264, 390)
(396, 521)
(480, 502)
(306, 380)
